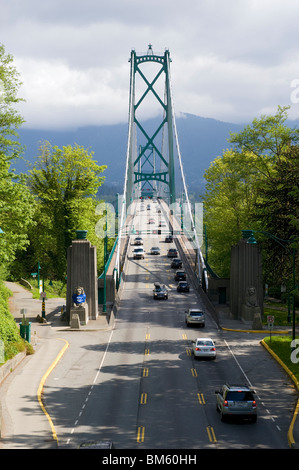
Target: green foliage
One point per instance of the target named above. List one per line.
(9, 332)
(281, 346)
(255, 186)
(10, 120)
(16, 203)
(65, 183)
(231, 192)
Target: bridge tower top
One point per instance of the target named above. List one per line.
(150, 153)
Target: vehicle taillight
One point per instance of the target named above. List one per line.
(197, 349)
(225, 403)
(213, 349)
(254, 404)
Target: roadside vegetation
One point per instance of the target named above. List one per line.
(282, 347)
(41, 209)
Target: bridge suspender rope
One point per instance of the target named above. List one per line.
(128, 162)
(200, 259)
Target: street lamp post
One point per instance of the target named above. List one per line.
(105, 256)
(285, 244)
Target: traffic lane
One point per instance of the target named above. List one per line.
(170, 413)
(68, 387)
(235, 433)
(276, 393)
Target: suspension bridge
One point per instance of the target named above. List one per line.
(154, 171)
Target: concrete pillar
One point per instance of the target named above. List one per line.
(82, 271)
(246, 272)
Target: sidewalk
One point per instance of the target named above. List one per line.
(23, 423)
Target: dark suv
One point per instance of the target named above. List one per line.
(236, 400)
(160, 291)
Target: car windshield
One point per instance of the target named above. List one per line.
(195, 314)
(138, 250)
(239, 396)
(204, 343)
(155, 248)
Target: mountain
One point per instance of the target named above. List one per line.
(201, 140)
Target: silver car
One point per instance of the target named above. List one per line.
(194, 316)
(204, 347)
(236, 400)
(155, 250)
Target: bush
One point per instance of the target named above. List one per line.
(9, 332)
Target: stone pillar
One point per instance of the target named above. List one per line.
(245, 278)
(82, 272)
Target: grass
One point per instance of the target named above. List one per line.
(280, 315)
(53, 289)
(281, 346)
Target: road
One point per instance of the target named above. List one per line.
(139, 386)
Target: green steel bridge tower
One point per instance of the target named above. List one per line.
(150, 170)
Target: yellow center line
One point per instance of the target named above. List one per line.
(211, 434)
(201, 399)
(143, 399)
(42, 383)
(140, 434)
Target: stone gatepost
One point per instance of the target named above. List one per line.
(246, 285)
(82, 272)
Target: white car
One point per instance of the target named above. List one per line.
(204, 347)
(138, 253)
(155, 250)
(138, 241)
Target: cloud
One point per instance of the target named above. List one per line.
(231, 60)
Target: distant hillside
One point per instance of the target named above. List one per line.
(200, 139)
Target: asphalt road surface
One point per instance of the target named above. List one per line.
(138, 384)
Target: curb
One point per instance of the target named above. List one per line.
(277, 332)
(290, 435)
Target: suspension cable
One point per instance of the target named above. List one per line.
(200, 259)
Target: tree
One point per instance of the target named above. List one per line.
(10, 119)
(268, 138)
(255, 186)
(65, 182)
(278, 213)
(228, 204)
(16, 203)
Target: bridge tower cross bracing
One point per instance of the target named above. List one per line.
(150, 170)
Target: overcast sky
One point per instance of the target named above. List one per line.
(232, 60)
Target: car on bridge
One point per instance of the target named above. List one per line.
(176, 263)
(204, 347)
(236, 400)
(180, 275)
(169, 239)
(151, 221)
(183, 286)
(160, 291)
(138, 241)
(172, 253)
(138, 253)
(155, 250)
(194, 316)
